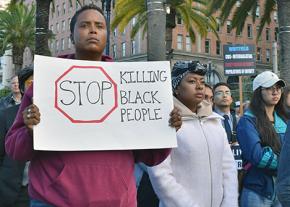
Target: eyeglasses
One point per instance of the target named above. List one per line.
(222, 93)
(274, 88)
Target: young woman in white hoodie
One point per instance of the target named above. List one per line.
(201, 172)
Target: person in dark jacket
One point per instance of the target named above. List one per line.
(286, 94)
(79, 178)
(13, 174)
(283, 178)
(260, 133)
(12, 98)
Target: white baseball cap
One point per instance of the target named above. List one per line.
(266, 80)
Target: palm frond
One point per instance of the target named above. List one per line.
(241, 15)
(269, 6)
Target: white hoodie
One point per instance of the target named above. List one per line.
(201, 172)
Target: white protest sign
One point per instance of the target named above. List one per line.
(89, 105)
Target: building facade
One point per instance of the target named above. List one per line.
(208, 50)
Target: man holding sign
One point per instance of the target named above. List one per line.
(80, 178)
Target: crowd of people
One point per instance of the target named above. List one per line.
(202, 171)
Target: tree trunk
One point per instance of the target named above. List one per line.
(41, 36)
(17, 58)
(284, 38)
(156, 30)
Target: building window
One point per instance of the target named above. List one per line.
(133, 47)
(114, 51)
(268, 34)
(178, 19)
(218, 21)
(63, 25)
(51, 45)
(69, 42)
(51, 10)
(188, 44)
(257, 32)
(123, 49)
(57, 10)
(56, 45)
(62, 44)
(207, 46)
(63, 8)
(218, 47)
(70, 7)
(133, 21)
(259, 54)
(275, 16)
(115, 32)
(68, 23)
(229, 26)
(276, 34)
(179, 42)
(124, 32)
(51, 28)
(258, 11)
(250, 31)
(57, 27)
(268, 55)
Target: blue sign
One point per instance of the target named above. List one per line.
(239, 60)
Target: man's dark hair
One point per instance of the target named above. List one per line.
(208, 86)
(221, 84)
(23, 75)
(78, 12)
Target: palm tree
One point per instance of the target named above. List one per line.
(17, 26)
(242, 12)
(42, 28)
(250, 6)
(192, 12)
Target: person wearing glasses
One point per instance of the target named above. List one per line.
(201, 172)
(222, 106)
(260, 133)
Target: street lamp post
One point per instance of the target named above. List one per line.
(209, 72)
(106, 4)
(156, 15)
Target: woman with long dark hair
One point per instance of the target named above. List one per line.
(260, 133)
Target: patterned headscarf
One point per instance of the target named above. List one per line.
(182, 68)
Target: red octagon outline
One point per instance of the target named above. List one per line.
(88, 121)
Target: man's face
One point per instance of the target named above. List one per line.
(222, 97)
(90, 32)
(208, 95)
(15, 85)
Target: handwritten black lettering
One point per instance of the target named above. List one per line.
(61, 85)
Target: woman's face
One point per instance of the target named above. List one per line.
(272, 95)
(191, 90)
